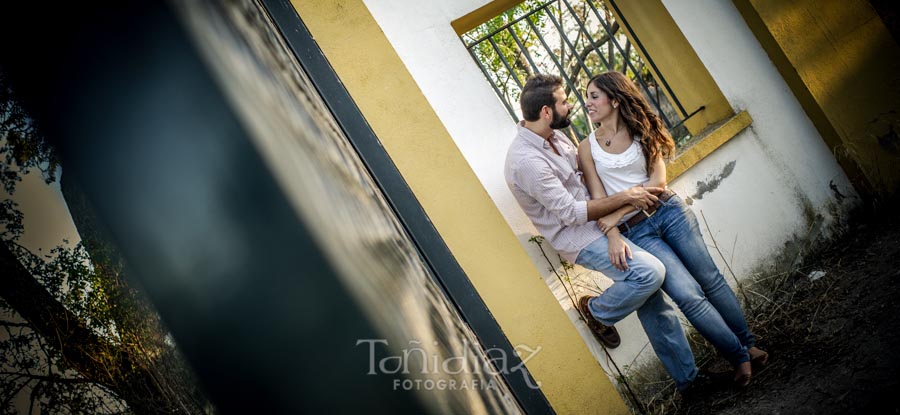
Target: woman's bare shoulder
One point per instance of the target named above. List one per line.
(585, 145)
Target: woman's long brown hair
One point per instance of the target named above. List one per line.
(639, 118)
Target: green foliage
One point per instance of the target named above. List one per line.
(493, 62)
(32, 360)
(10, 220)
(21, 147)
(88, 280)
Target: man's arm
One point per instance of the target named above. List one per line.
(537, 179)
(642, 197)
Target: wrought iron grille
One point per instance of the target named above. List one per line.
(575, 39)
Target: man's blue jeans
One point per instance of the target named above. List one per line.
(638, 289)
(692, 280)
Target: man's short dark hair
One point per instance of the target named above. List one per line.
(537, 92)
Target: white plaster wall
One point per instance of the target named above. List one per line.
(779, 161)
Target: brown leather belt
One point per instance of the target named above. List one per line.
(646, 213)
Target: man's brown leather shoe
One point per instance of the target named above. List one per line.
(608, 335)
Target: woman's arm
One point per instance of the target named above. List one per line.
(619, 251)
(658, 176)
(589, 171)
(611, 221)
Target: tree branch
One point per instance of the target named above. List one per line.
(46, 378)
(90, 355)
(33, 397)
(50, 318)
(576, 67)
(14, 391)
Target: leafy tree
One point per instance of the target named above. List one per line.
(75, 336)
(509, 68)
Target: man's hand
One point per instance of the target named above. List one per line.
(642, 197)
(619, 251)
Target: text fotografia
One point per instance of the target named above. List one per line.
(449, 373)
(444, 384)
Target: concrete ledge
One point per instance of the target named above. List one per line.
(702, 146)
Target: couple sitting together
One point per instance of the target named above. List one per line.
(605, 206)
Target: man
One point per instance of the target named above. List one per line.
(541, 171)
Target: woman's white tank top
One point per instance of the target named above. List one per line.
(620, 171)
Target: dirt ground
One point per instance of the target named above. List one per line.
(834, 342)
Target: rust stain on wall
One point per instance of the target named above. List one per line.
(710, 184)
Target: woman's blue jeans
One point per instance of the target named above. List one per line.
(639, 289)
(693, 280)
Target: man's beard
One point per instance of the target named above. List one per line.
(559, 121)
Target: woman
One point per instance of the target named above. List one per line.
(626, 150)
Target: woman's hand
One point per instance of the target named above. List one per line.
(619, 251)
(608, 222)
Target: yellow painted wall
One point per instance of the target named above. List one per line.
(676, 59)
(712, 140)
(848, 68)
(481, 15)
(458, 205)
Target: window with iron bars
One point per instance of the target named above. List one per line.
(576, 39)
